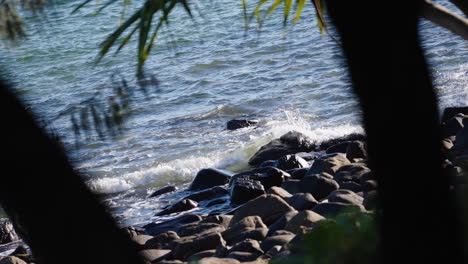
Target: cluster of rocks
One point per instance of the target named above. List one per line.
(294, 184)
(9, 239)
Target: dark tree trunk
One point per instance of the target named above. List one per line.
(389, 74)
(58, 216)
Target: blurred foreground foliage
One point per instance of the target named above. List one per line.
(352, 238)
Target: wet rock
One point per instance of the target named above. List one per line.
(278, 240)
(161, 241)
(290, 143)
(243, 256)
(450, 112)
(240, 123)
(223, 220)
(7, 232)
(292, 186)
(351, 137)
(318, 186)
(345, 196)
(243, 189)
(181, 206)
(163, 190)
(356, 150)
(329, 163)
(452, 126)
(302, 201)
(154, 229)
(338, 148)
(154, 255)
(306, 218)
(309, 156)
(269, 163)
(267, 176)
(214, 260)
(332, 209)
(292, 161)
(352, 172)
(185, 248)
(279, 191)
(208, 194)
(20, 250)
(199, 229)
(298, 173)
(281, 222)
(12, 260)
(248, 245)
(236, 231)
(269, 207)
(207, 178)
(216, 202)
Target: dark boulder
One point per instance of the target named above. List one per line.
(279, 191)
(251, 227)
(332, 209)
(290, 143)
(208, 194)
(338, 148)
(369, 185)
(154, 229)
(161, 241)
(449, 112)
(346, 197)
(352, 172)
(207, 178)
(302, 201)
(351, 186)
(269, 163)
(163, 190)
(281, 222)
(198, 229)
(292, 186)
(181, 206)
(267, 176)
(298, 173)
(216, 202)
(243, 256)
(451, 127)
(292, 161)
(328, 163)
(351, 137)
(187, 247)
(320, 187)
(240, 123)
(248, 245)
(356, 150)
(309, 156)
(244, 189)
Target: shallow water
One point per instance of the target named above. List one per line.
(209, 72)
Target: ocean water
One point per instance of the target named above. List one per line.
(209, 71)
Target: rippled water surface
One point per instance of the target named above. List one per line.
(209, 72)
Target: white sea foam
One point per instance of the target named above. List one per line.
(183, 170)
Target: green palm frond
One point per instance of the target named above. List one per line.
(152, 11)
(261, 15)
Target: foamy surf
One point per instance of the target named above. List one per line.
(248, 141)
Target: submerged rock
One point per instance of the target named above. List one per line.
(351, 137)
(163, 190)
(240, 123)
(207, 178)
(290, 143)
(184, 205)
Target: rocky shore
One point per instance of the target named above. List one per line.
(293, 184)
